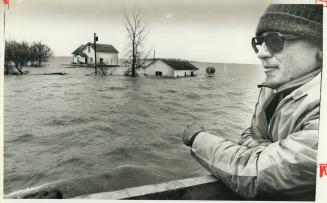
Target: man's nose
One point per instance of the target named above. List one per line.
(263, 51)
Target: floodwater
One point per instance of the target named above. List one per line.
(125, 131)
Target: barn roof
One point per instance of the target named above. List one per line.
(100, 48)
(178, 64)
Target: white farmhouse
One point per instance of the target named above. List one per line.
(106, 54)
(170, 68)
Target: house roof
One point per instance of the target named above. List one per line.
(104, 48)
(78, 50)
(100, 48)
(178, 64)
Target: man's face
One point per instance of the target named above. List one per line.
(297, 58)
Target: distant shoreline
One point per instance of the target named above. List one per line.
(121, 59)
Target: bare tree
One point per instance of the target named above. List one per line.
(20, 54)
(17, 53)
(8, 58)
(39, 54)
(136, 37)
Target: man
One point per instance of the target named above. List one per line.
(276, 156)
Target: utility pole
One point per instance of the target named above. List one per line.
(95, 39)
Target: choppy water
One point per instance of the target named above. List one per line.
(126, 130)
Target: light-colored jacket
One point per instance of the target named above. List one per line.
(270, 161)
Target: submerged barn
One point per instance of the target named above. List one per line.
(106, 54)
(170, 68)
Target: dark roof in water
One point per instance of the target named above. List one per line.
(104, 48)
(178, 64)
(100, 48)
(78, 50)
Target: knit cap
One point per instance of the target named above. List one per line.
(303, 20)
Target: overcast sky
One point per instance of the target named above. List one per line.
(200, 30)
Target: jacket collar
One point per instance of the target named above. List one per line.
(259, 123)
(296, 82)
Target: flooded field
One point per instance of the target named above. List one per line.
(127, 130)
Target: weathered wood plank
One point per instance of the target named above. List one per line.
(199, 188)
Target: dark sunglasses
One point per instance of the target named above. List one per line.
(274, 41)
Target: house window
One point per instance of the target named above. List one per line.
(191, 73)
(101, 60)
(185, 73)
(88, 49)
(158, 73)
(78, 59)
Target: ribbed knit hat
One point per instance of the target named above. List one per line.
(304, 20)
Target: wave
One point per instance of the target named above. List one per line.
(26, 137)
(70, 121)
(119, 153)
(73, 162)
(107, 97)
(117, 88)
(109, 130)
(192, 96)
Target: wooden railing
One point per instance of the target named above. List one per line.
(200, 188)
